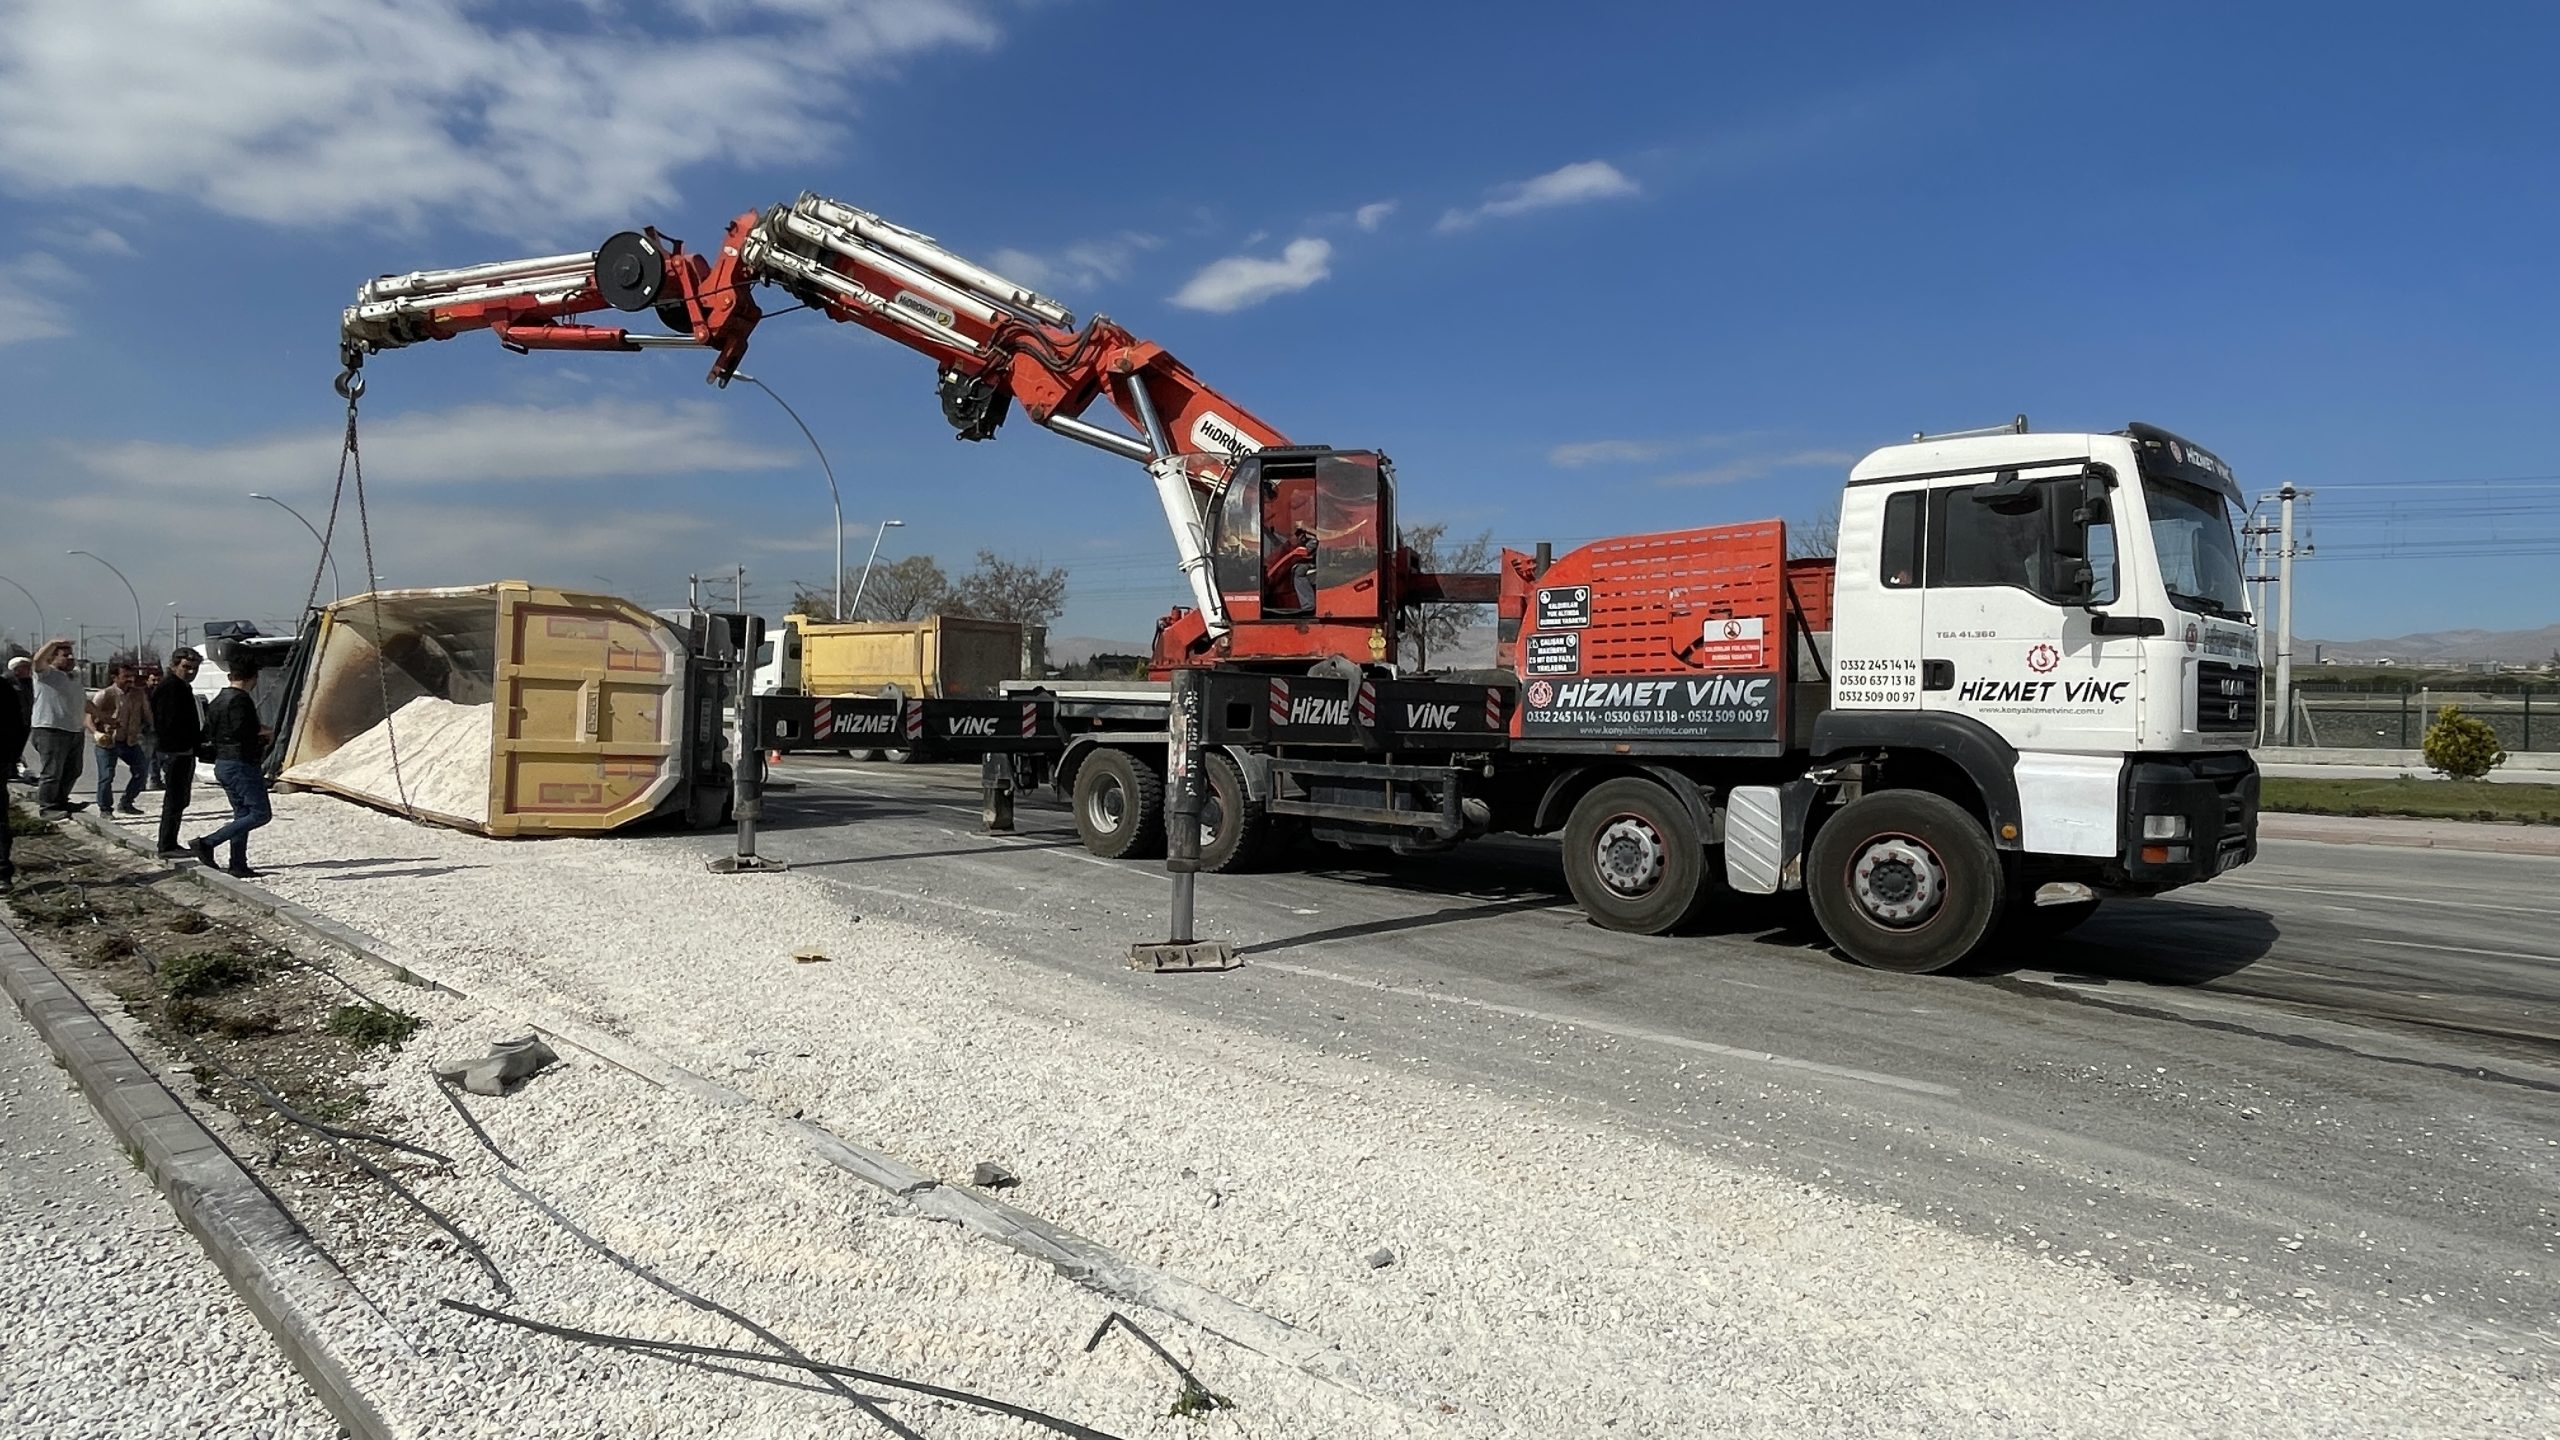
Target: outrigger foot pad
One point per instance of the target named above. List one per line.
(744, 864)
(1184, 955)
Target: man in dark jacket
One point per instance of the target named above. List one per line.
(175, 723)
(239, 745)
(13, 739)
(22, 679)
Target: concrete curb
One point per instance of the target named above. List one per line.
(2476, 836)
(284, 1278)
(1073, 1256)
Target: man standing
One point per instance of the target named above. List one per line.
(22, 679)
(116, 717)
(239, 746)
(59, 708)
(13, 738)
(174, 720)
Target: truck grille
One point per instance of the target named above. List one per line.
(2226, 697)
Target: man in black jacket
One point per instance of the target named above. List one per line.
(239, 745)
(175, 724)
(13, 739)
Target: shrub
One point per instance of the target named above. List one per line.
(2463, 747)
(366, 1026)
(192, 976)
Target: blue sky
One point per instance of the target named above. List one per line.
(1582, 271)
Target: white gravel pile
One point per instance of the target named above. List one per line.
(1551, 1273)
(443, 755)
(118, 1325)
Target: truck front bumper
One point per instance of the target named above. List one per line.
(2187, 818)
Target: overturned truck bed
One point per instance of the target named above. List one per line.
(511, 709)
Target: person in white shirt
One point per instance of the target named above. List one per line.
(61, 715)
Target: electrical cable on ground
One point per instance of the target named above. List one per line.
(634, 1267)
(869, 1377)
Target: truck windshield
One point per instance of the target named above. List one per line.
(2199, 558)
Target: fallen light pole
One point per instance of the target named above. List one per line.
(1184, 765)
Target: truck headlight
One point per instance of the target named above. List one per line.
(2164, 827)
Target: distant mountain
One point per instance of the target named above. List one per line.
(2448, 647)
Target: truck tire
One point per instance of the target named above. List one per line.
(1905, 880)
(1633, 857)
(1119, 806)
(1233, 829)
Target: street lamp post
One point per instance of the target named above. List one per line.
(32, 600)
(833, 494)
(138, 631)
(885, 527)
(325, 552)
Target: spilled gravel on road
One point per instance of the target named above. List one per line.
(1550, 1273)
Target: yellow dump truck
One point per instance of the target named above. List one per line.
(512, 709)
(938, 657)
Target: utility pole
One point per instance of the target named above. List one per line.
(2284, 611)
(741, 597)
(2256, 529)
(693, 592)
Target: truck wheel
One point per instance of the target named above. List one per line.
(1905, 880)
(1634, 858)
(1119, 805)
(1233, 829)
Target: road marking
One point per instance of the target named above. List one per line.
(2378, 900)
(2471, 950)
(1623, 1032)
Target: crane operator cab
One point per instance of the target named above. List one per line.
(1299, 537)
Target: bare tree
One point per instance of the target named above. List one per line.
(908, 589)
(1815, 538)
(1016, 590)
(1438, 624)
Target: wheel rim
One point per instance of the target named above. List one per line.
(1629, 857)
(1107, 806)
(1898, 881)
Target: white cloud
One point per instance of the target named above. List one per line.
(1752, 467)
(1579, 453)
(384, 111)
(108, 242)
(1083, 266)
(31, 305)
(1242, 280)
(1577, 184)
(1369, 217)
(471, 444)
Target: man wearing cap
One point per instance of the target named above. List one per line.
(180, 729)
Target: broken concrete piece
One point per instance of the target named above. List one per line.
(1381, 1258)
(508, 1063)
(811, 957)
(988, 1175)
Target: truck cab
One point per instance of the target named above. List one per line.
(2061, 618)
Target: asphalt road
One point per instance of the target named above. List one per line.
(2328, 1083)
